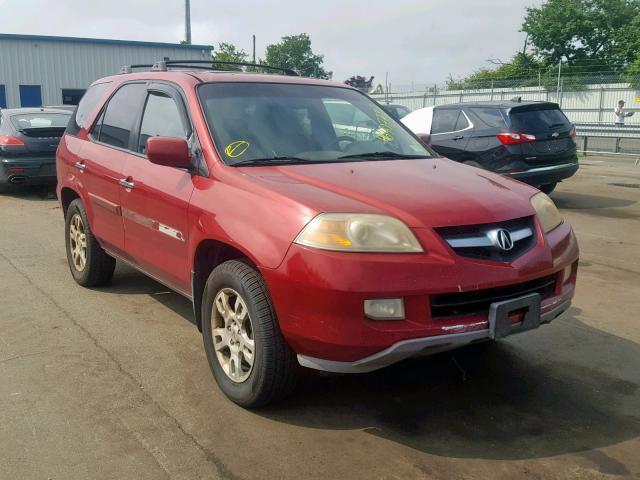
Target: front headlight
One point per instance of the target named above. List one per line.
(358, 232)
(548, 214)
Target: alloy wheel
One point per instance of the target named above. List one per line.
(78, 243)
(232, 334)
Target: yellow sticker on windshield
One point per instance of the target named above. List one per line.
(383, 135)
(236, 149)
(384, 131)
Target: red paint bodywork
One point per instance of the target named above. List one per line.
(318, 295)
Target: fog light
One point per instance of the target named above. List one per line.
(384, 309)
(566, 275)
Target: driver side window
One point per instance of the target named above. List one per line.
(161, 118)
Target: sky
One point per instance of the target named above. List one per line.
(416, 41)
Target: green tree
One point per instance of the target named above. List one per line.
(521, 71)
(590, 33)
(295, 52)
(227, 52)
(633, 73)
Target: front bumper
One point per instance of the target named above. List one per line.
(415, 347)
(319, 295)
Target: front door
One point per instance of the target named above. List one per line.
(155, 206)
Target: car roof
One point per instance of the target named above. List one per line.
(18, 111)
(495, 104)
(222, 77)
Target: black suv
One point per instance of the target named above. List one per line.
(530, 141)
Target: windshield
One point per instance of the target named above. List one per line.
(266, 122)
(40, 120)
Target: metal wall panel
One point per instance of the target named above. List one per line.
(57, 65)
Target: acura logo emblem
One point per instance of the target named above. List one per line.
(504, 240)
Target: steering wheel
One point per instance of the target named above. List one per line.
(346, 138)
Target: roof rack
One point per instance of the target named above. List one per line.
(164, 65)
(129, 68)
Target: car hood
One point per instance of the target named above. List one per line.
(423, 193)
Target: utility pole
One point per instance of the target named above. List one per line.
(254, 49)
(559, 72)
(187, 21)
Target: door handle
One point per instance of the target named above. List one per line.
(458, 137)
(126, 183)
(80, 166)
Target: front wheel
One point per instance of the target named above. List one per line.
(247, 354)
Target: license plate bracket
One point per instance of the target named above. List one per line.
(500, 325)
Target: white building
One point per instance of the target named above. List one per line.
(41, 70)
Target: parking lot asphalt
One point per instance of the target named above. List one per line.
(113, 382)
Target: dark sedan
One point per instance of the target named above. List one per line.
(29, 138)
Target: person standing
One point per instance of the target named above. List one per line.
(621, 114)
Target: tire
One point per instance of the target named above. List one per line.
(98, 266)
(548, 188)
(274, 369)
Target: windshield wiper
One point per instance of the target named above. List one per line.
(272, 161)
(382, 155)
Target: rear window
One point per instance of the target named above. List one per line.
(88, 102)
(40, 120)
(537, 120)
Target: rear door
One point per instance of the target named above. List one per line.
(102, 161)
(156, 204)
(553, 131)
(450, 132)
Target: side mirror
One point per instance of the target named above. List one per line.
(425, 138)
(169, 152)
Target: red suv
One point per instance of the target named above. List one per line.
(307, 226)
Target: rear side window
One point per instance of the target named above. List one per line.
(85, 107)
(444, 121)
(116, 122)
(537, 120)
(161, 118)
(462, 122)
(493, 117)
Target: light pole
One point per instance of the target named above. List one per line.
(187, 21)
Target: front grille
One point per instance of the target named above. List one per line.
(478, 301)
(478, 241)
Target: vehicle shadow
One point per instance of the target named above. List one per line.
(30, 193)
(537, 395)
(128, 281)
(564, 388)
(585, 201)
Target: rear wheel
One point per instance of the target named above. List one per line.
(548, 188)
(247, 354)
(90, 265)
